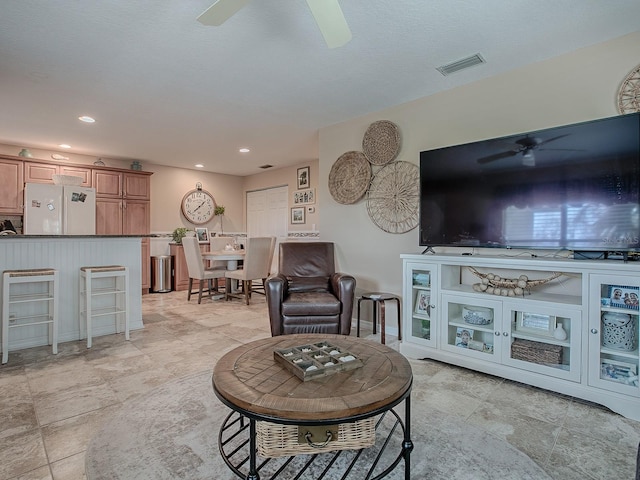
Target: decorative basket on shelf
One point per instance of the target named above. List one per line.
(507, 287)
(536, 352)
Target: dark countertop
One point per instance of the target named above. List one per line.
(53, 237)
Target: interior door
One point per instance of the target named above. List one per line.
(268, 215)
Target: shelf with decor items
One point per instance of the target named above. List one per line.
(559, 331)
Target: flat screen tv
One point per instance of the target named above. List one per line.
(575, 187)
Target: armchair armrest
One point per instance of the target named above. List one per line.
(343, 286)
(276, 288)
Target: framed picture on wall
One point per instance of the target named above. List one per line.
(304, 197)
(297, 215)
(303, 178)
(202, 234)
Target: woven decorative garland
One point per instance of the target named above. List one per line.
(394, 196)
(349, 177)
(507, 287)
(381, 142)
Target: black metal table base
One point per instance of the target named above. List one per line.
(238, 449)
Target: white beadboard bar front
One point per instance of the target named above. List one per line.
(67, 255)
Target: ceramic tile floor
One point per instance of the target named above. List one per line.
(51, 406)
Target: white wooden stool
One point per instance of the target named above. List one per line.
(29, 298)
(104, 291)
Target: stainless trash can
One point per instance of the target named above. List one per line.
(161, 273)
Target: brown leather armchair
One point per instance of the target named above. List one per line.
(307, 295)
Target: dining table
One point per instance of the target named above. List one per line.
(231, 256)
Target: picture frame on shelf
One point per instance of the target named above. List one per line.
(619, 372)
(303, 178)
(463, 337)
(536, 324)
(624, 297)
(202, 234)
(304, 197)
(423, 299)
(297, 215)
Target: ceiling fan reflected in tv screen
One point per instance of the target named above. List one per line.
(575, 187)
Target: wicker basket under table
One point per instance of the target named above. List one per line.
(277, 440)
(536, 352)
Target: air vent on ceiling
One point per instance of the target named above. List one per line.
(458, 65)
(266, 166)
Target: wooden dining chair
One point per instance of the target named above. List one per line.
(197, 269)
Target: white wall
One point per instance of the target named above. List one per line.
(572, 88)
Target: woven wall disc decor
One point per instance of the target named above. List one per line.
(381, 142)
(393, 199)
(349, 177)
(629, 93)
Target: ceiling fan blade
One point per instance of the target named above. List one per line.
(331, 22)
(496, 156)
(220, 12)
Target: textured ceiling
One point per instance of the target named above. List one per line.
(166, 89)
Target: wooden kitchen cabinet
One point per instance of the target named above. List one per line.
(39, 172)
(12, 181)
(83, 172)
(114, 184)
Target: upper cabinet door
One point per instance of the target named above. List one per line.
(12, 181)
(137, 186)
(39, 172)
(85, 173)
(107, 183)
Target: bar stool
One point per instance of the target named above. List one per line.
(379, 299)
(29, 298)
(97, 286)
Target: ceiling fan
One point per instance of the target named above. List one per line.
(327, 13)
(526, 147)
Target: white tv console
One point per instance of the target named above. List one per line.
(594, 362)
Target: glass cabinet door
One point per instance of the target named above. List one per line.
(470, 326)
(614, 361)
(543, 340)
(420, 304)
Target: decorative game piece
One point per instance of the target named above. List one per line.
(394, 196)
(316, 360)
(349, 177)
(381, 142)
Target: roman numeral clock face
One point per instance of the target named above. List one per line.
(198, 206)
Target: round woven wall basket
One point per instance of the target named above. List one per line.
(381, 142)
(393, 200)
(349, 177)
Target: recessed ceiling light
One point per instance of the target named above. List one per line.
(87, 119)
(244, 150)
(64, 145)
(199, 165)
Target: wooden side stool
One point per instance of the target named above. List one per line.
(92, 295)
(29, 298)
(379, 299)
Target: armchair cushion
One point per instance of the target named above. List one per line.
(308, 284)
(311, 303)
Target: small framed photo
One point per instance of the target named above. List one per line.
(620, 372)
(202, 234)
(624, 297)
(536, 324)
(303, 178)
(297, 215)
(423, 299)
(304, 197)
(463, 337)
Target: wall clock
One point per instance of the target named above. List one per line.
(198, 205)
(629, 93)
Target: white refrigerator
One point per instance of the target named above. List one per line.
(59, 210)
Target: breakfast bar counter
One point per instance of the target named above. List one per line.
(67, 254)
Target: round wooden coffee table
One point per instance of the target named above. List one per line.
(250, 382)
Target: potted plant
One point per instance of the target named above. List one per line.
(178, 234)
(219, 210)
